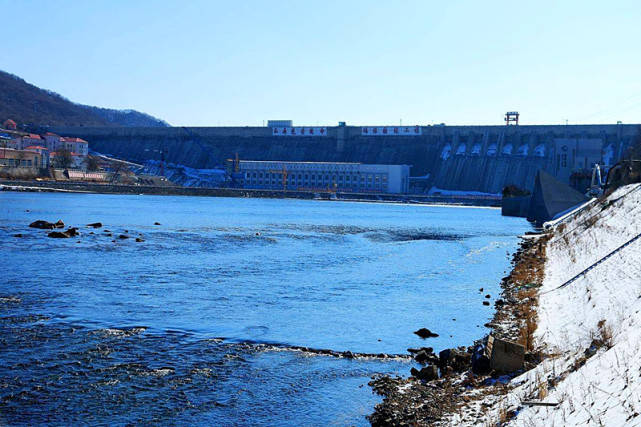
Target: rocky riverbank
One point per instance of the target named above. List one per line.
(454, 378)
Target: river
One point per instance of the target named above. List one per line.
(194, 324)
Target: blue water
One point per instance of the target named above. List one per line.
(192, 326)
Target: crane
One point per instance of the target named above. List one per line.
(284, 175)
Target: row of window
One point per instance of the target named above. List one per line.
(253, 176)
(17, 163)
(307, 184)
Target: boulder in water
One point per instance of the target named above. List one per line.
(425, 333)
(71, 232)
(46, 225)
(95, 224)
(424, 357)
(58, 235)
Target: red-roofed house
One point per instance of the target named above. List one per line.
(75, 145)
(26, 140)
(10, 124)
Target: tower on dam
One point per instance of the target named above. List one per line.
(467, 158)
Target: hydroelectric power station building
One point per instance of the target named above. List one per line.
(323, 176)
(459, 158)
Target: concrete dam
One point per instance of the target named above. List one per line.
(464, 158)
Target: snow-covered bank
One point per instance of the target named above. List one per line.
(589, 329)
(186, 176)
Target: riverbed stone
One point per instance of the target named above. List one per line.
(425, 357)
(457, 360)
(427, 373)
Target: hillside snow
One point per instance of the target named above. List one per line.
(590, 329)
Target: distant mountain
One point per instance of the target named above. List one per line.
(29, 105)
(127, 117)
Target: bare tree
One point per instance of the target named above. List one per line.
(92, 164)
(63, 159)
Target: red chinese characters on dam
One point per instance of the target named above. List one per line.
(299, 131)
(391, 131)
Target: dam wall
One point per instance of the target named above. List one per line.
(464, 158)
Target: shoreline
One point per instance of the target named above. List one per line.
(413, 401)
(95, 188)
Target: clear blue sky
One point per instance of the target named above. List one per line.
(318, 62)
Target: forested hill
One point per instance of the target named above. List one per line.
(27, 104)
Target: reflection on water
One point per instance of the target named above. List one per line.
(219, 315)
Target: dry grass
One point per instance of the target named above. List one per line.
(604, 339)
(529, 270)
(503, 418)
(589, 222)
(526, 338)
(542, 390)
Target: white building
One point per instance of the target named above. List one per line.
(52, 141)
(323, 176)
(75, 145)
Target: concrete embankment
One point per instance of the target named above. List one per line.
(235, 192)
